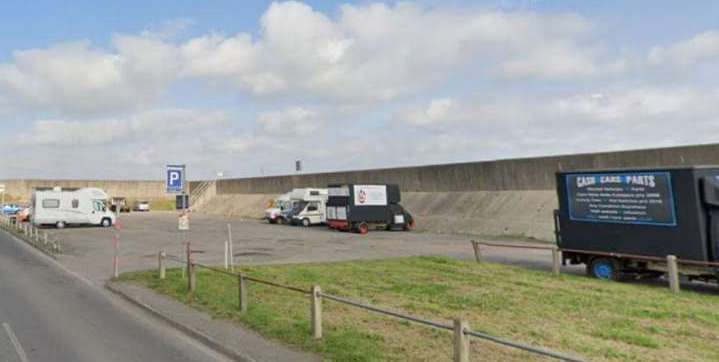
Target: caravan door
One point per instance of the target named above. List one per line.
(98, 211)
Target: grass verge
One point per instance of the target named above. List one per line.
(595, 319)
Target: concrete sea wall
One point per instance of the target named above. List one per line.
(21, 190)
(503, 197)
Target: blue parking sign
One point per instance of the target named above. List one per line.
(175, 178)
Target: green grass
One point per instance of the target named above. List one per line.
(595, 319)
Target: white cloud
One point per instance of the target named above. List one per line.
(699, 48)
(292, 121)
(145, 126)
(75, 78)
(379, 52)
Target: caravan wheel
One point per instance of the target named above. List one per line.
(60, 224)
(106, 222)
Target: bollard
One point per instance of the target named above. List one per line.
(477, 252)
(316, 306)
(227, 250)
(193, 278)
(161, 263)
(673, 273)
(242, 292)
(556, 260)
(37, 235)
(461, 341)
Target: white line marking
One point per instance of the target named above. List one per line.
(15, 343)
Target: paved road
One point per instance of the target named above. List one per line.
(57, 317)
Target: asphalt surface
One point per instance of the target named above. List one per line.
(55, 316)
(88, 250)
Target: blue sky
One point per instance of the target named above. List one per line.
(118, 89)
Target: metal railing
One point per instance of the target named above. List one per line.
(460, 327)
(32, 235)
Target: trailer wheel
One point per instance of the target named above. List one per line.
(604, 269)
(60, 224)
(363, 228)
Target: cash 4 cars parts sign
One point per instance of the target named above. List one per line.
(628, 198)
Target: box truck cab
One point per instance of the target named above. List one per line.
(310, 206)
(67, 207)
(626, 222)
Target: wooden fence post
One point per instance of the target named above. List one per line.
(161, 263)
(477, 252)
(316, 306)
(242, 292)
(556, 260)
(461, 341)
(673, 273)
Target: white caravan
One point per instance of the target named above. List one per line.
(310, 207)
(64, 207)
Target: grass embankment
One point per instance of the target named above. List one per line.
(595, 319)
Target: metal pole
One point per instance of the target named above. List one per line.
(115, 257)
(316, 312)
(229, 239)
(461, 341)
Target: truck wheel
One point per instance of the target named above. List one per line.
(306, 222)
(363, 228)
(60, 224)
(604, 269)
(106, 222)
(272, 221)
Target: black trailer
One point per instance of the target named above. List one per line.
(625, 222)
(360, 207)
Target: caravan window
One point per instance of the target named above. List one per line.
(50, 203)
(98, 205)
(314, 193)
(75, 203)
(312, 207)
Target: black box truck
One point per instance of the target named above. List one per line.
(361, 207)
(625, 222)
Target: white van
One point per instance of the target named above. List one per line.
(280, 206)
(310, 207)
(64, 207)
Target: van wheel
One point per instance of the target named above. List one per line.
(60, 224)
(106, 223)
(305, 222)
(605, 269)
(363, 228)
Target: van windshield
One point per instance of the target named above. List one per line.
(99, 205)
(299, 207)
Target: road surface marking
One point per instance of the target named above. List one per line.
(15, 343)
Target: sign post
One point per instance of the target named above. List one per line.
(175, 177)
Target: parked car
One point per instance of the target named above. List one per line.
(11, 209)
(142, 206)
(119, 204)
(23, 215)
